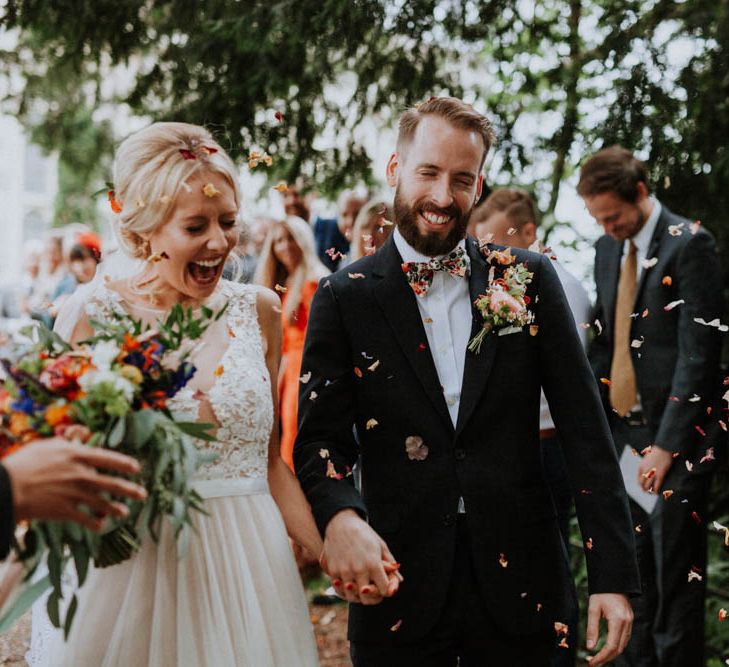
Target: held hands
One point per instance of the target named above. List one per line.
(358, 560)
(654, 467)
(54, 478)
(616, 610)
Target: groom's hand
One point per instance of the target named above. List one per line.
(357, 560)
(616, 610)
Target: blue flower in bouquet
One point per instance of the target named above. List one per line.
(26, 404)
(181, 377)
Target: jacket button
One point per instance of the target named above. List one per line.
(449, 519)
(459, 453)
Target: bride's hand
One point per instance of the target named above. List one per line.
(358, 560)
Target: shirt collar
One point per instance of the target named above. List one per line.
(409, 254)
(643, 238)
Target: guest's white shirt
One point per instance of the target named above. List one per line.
(643, 238)
(579, 303)
(446, 313)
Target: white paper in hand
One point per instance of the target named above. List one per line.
(629, 465)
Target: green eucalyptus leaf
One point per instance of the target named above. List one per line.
(69, 617)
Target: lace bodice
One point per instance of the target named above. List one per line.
(240, 395)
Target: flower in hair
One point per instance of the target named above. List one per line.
(209, 190)
(113, 202)
(209, 150)
(281, 187)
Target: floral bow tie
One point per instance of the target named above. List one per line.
(420, 274)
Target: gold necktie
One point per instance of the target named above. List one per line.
(623, 391)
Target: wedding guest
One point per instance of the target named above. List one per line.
(452, 483)
(508, 218)
(371, 229)
(84, 256)
(333, 235)
(289, 265)
(656, 273)
(295, 203)
(49, 479)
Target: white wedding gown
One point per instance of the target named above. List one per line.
(236, 597)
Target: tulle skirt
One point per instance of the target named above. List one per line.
(234, 599)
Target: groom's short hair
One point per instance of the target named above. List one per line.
(455, 111)
(614, 169)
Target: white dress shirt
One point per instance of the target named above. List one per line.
(643, 238)
(447, 316)
(579, 303)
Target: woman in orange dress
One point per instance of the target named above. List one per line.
(289, 264)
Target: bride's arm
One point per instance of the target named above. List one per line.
(285, 487)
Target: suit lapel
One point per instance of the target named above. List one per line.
(609, 279)
(658, 232)
(397, 301)
(477, 365)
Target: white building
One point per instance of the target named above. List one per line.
(28, 187)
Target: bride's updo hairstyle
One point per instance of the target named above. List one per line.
(150, 169)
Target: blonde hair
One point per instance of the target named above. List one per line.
(150, 168)
(271, 272)
(366, 224)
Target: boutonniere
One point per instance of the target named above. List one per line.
(504, 303)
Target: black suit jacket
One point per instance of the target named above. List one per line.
(7, 522)
(367, 352)
(678, 358)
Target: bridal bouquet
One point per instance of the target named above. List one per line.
(110, 391)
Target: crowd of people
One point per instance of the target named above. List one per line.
(646, 417)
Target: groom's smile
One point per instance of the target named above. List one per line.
(437, 180)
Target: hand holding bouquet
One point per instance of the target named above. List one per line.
(111, 391)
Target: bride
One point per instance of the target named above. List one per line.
(236, 597)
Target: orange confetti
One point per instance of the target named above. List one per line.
(396, 627)
(648, 475)
(723, 614)
(357, 372)
(281, 187)
(605, 381)
(644, 313)
(533, 329)
(561, 628)
(502, 561)
(371, 423)
(667, 494)
(113, 202)
(589, 544)
(219, 371)
(563, 643)
(281, 288)
(667, 280)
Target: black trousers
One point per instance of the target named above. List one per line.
(465, 634)
(557, 478)
(668, 628)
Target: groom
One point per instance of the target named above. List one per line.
(452, 484)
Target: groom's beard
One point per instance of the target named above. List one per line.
(429, 244)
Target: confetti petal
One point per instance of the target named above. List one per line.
(371, 423)
(305, 378)
(673, 304)
(416, 449)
